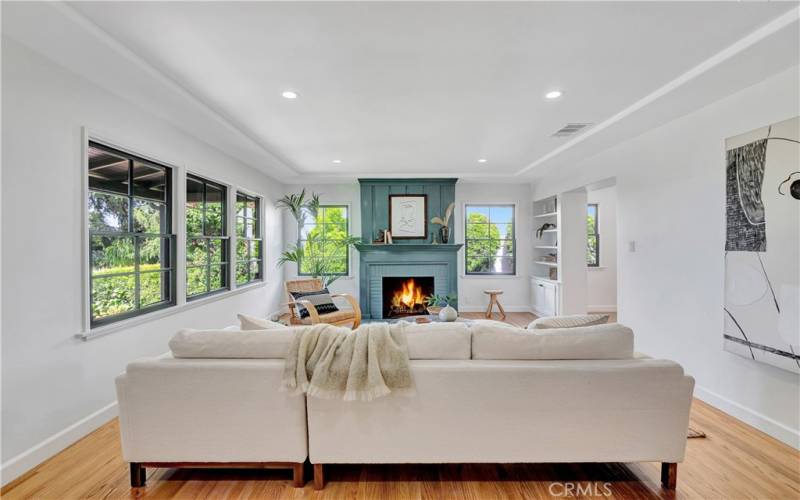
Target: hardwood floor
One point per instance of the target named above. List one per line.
(735, 461)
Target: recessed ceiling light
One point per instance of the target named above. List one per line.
(289, 94)
(482, 160)
(337, 161)
(553, 94)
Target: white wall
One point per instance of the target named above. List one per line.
(671, 202)
(472, 298)
(602, 280)
(50, 379)
(516, 296)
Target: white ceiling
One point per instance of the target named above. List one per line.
(428, 88)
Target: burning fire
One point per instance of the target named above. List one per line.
(409, 295)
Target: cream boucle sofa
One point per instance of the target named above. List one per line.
(485, 392)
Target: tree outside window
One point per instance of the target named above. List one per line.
(489, 239)
(325, 240)
(592, 236)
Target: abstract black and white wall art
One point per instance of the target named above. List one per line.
(762, 245)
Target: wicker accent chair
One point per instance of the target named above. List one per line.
(338, 318)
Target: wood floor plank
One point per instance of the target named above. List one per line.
(735, 461)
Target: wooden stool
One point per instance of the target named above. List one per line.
(493, 300)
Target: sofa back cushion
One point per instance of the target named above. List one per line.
(248, 322)
(607, 341)
(261, 344)
(438, 341)
(572, 321)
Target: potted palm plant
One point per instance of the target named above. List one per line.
(326, 266)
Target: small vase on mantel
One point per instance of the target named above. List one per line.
(448, 314)
(444, 233)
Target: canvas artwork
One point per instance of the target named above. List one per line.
(408, 216)
(762, 245)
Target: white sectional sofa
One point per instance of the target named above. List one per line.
(485, 392)
(210, 413)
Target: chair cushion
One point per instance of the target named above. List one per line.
(320, 299)
(264, 344)
(333, 317)
(438, 340)
(248, 322)
(568, 321)
(608, 341)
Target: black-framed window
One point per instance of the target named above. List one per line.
(322, 240)
(206, 237)
(249, 245)
(131, 244)
(592, 235)
(489, 243)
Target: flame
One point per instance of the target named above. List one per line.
(408, 295)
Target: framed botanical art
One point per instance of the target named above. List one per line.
(408, 216)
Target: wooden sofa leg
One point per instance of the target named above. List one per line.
(138, 475)
(319, 479)
(297, 475)
(669, 475)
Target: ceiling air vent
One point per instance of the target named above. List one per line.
(570, 129)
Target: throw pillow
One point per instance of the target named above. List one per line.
(321, 300)
(248, 322)
(568, 321)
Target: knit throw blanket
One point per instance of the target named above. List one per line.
(331, 362)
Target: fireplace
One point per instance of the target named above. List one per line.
(405, 296)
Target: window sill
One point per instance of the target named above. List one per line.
(488, 276)
(596, 268)
(162, 313)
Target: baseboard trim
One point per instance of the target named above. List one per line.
(482, 309)
(751, 417)
(30, 458)
(602, 309)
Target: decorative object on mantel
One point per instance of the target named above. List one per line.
(381, 239)
(320, 264)
(761, 304)
(544, 228)
(388, 237)
(444, 230)
(408, 216)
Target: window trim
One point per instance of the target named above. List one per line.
(259, 228)
(346, 206)
(171, 235)
(466, 206)
(596, 234)
(225, 237)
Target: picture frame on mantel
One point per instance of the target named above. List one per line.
(408, 216)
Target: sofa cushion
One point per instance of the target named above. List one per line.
(265, 344)
(572, 321)
(608, 341)
(438, 341)
(248, 322)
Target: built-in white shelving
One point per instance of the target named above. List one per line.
(545, 263)
(549, 214)
(546, 239)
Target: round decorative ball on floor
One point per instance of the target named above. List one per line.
(448, 314)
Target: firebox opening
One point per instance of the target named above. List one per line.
(406, 296)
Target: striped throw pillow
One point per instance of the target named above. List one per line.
(321, 300)
(568, 321)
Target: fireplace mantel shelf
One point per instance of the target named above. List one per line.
(427, 247)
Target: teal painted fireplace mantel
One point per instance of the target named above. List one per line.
(404, 258)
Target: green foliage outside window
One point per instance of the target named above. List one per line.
(326, 240)
(489, 239)
(592, 237)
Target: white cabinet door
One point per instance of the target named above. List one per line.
(549, 299)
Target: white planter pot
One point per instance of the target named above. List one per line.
(448, 314)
